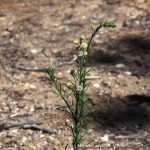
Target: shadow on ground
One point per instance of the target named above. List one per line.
(132, 51)
(130, 112)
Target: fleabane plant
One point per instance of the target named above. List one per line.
(76, 108)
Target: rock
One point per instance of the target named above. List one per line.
(21, 105)
(119, 66)
(32, 109)
(141, 1)
(96, 85)
(14, 131)
(24, 139)
(30, 86)
(35, 50)
(41, 135)
(59, 75)
(120, 76)
(107, 84)
(2, 80)
(105, 138)
(128, 73)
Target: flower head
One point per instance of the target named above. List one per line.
(85, 53)
(84, 45)
(75, 57)
(80, 54)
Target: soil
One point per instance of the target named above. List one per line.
(35, 34)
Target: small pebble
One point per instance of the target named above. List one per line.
(30, 132)
(107, 84)
(141, 1)
(14, 131)
(32, 109)
(33, 51)
(21, 104)
(128, 73)
(137, 22)
(28, 85)
(67, 121)
(120, 66)
(6, 33)
(120, 76)
(59, 75)
(41, 135)
(105, 138)
(52, 138)
(96, 85)
(24, 139)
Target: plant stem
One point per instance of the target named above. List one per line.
(78, 111)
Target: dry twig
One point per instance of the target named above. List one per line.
(25, 125)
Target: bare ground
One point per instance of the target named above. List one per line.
(37, 33)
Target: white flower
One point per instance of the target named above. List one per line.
(84, 45)
(75, 57)
(85, 53)
(80, 54)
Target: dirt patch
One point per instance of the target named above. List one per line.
(37, 33)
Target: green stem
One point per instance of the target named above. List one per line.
(78, 112)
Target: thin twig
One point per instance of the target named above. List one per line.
(130, 137)
(92, 77)
(26, 125)
(20, 115)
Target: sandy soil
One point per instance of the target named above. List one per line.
(37, 33)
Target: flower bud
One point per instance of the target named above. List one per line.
(85, 53)
(73, 72)
(50, 71)
(76, 41)
(84, 45)
(69, 85)
(83, 37)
